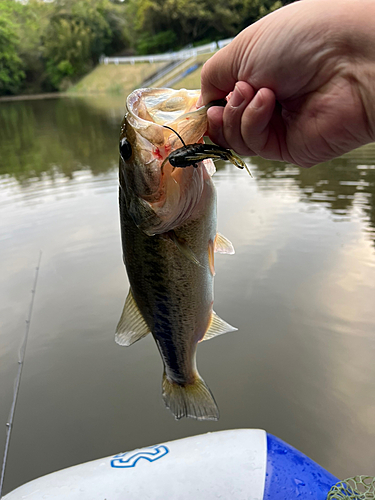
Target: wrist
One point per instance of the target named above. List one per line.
(357, 38)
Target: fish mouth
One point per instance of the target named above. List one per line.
(168, 195)
(149, 110)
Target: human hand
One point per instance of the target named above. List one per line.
(301, 81)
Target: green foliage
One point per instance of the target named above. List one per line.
(11, 67)
(193, 20)
(48, 45)
(252, 10)
(67, 48)
(189, 20)
(78, 34)
(154, 44)
(32, 18)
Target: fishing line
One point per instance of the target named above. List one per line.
(21, 359)
(178, 135)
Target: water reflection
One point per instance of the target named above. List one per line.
(342, 185)
(57, 136)
(300, 289)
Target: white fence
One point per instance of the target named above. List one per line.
(168, 56)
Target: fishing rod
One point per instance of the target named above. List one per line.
(21, 359)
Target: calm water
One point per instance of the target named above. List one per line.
(300, 289)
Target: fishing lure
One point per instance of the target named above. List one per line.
(190, 154)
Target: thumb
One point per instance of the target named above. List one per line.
(217, 78)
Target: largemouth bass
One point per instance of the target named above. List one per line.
(169, 236)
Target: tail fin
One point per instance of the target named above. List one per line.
(190, 400)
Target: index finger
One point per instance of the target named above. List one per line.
(218, 76)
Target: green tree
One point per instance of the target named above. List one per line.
(11, 66)
(252, 10)
(80, 31)
(192, 20)
(196, 18)
(67, 50)
(158, 43)
(33, 18)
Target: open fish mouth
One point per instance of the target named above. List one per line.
(150, 112)
(162, 134)
(160, 198)
(150, 109)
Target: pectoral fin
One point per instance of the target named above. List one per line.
(210, 166)
(223, 245)
(132, 326)
(217, 327)
(184, 248)
(211, 257)
(143, 215)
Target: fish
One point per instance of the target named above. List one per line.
(169, 236)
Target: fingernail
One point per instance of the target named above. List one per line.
(236, 98)
(257, 101)
(199, 102)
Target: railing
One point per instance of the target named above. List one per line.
(168, 56)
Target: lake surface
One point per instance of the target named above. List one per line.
(300, 289)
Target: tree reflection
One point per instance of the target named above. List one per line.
(60, 135)
(338, 184)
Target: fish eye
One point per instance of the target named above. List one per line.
(125, 149)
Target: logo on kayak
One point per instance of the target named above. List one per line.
(126, 460)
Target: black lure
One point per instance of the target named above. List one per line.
(189, 154)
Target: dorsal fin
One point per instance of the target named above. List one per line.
(132, 326)
(217, 327)
(223, 245)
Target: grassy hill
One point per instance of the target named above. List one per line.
(121, 79)
(193, 80)
(115, 79)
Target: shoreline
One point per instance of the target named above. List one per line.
(30, 97)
